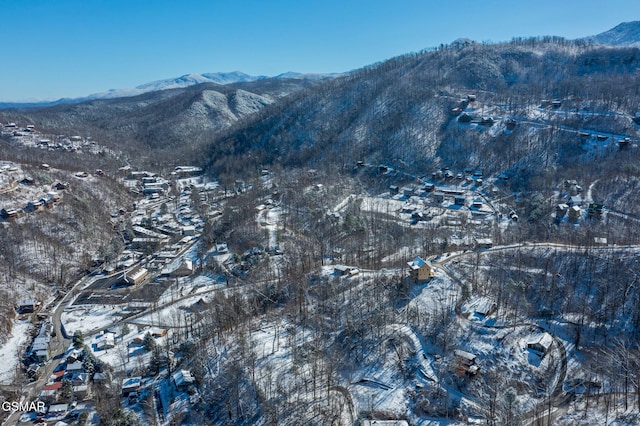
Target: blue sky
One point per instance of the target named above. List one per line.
(70, 48)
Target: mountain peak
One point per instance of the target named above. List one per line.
(624, 34)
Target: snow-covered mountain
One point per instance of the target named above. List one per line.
(187, 80)
(625, 34)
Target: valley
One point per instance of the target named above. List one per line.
(443, 238)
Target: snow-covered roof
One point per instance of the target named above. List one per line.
(545, 340)
(132, 382)
(183, 377)
(418, 263)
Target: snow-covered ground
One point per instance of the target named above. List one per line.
(87, 318)
(9, 352)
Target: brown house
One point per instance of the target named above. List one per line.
(420, 270)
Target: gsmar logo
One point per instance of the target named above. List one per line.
(23, 406)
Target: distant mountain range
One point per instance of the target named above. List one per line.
(187, 80)
(625, 34)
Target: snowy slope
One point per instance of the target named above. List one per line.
(625, 34)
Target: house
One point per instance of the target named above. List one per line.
(101, 378)
(48, 396)
(58, 410)
(408, 191)
(10, 213)
(27, 306)
(75, 367)
(624, 143)
(60, 186)
(184, 269)
(35, 205)
(188, 231)
(182, 379)
(459, 200)
(484, 307)
(81, 392)
(393, 189)
(34, 371)
(73, 356)
(477, 203)
(574, 213)
(157, 332)
(420, 270)
(466, 362)
(79, 379)
(131, 385)
(41, 355)
(464, 118)
(487, 121)
(561, 210)
(136, 276)
(341, 270)
(541, 343)
(438, 196)
(484, 243)
(106, 341)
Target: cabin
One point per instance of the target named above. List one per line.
(136, 276)
(106, 341)
(58, 410)
(59, 186)
(487, 121)
(624, 143)
(540, 343)
(464, 118)
(574, 213)
(131, 385)
(484, 243)
(184, 269)
(75, 367)
(561, 210)
(459, 200)
(420, 270)
(466, 362)
(157, 332)
(27, 306)
(484, 307)
(408, 191)
(341, 270)
(10, 213)
(182, 379)
(438, 196)
(394, 190)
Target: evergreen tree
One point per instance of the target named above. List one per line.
(78, 339)
(149, 342)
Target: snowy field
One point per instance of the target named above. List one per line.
(9, 358)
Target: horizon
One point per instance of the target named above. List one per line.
(72, 49)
